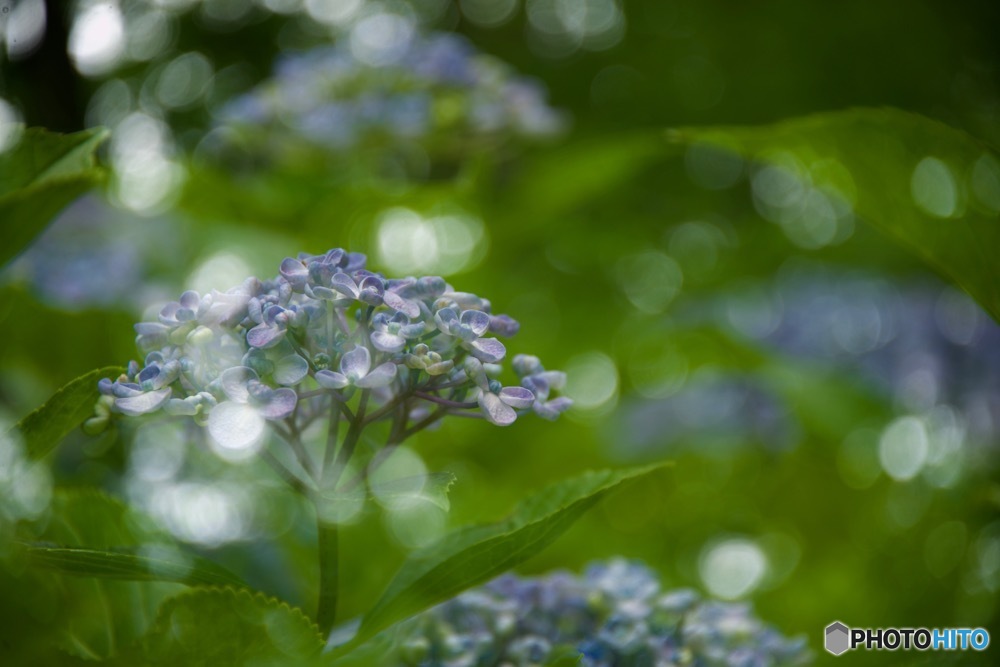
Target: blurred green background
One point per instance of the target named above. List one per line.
(787, 377)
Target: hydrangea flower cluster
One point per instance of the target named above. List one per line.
(434, 88)
(327, 338)
(614, 614)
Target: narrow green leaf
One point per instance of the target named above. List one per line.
(44, 428)
(471, 556)
(38, 177)
(147, 563)
(417, 489)
(224, 626)
(932, 188)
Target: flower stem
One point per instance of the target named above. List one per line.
(327, 538)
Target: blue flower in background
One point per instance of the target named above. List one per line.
(437, 90)
(614, 614)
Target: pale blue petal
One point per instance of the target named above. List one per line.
(280, 404)
(401, 305)
(344, 284)
(489, 350)
(142, 404)
(356, 363)
(234, 382)
(264, 335)
(517, 397)
(495, 410)
(290, 369)
(387, 342)
(332, 380)
(476, 320)
(380, 377)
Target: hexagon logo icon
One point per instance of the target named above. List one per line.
(837, 639)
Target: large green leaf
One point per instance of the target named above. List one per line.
(223, 626)
(38, 177)
(44, 428)
(931, 187)
(87, 617)
(148, 563)
(471, 556)
(429, 489)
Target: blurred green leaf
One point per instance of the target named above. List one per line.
(38, 177)
(131, 564)
(476, 554)
(45, 427)
(932, 188)
(417, 489)
(224, 626)
(87, 617)
(559, 180)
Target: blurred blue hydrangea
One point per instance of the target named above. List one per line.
(614, 614)
(436, 90)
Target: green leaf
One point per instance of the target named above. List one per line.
(148, 563)
(417, 489)
(85, 616)
(471, 556)
(44, 428)
(38, 177)
(223, 626)
(932, 188)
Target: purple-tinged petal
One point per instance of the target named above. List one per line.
(344, 284)
(371, 291)
(495, 410)
(190, 300)
(504, 325)
(517, 397)
(555, 379)
(381, 376)
(264, 336)
(489, 350)
(290, 370)
(104, 386)
(180, 407)
(387, 342)
(526, 364)
(332, 380)
(476, 320)
(295, 272)
(133, 406)
(399, 304)
(234, 383)
(356, 363)
(279, 404)
(552, 409)
(125, 389)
